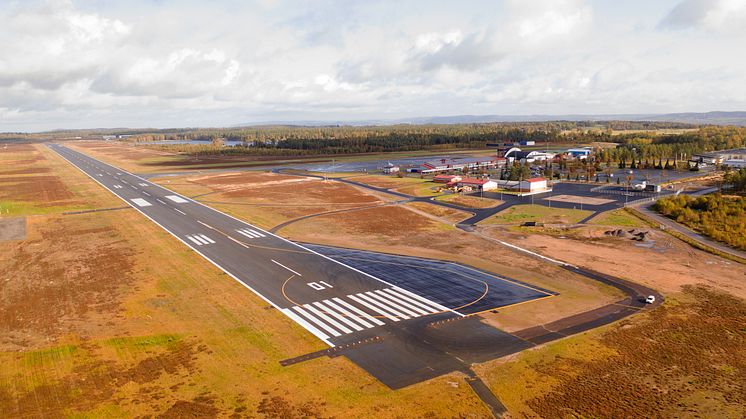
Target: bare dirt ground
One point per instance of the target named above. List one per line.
(268, 199)
(663, 263)
(12, 228)
(579, 199)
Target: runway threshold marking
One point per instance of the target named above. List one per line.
(278, 263)
(200, 239)
(141, 202)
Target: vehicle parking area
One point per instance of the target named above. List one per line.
(459, 287)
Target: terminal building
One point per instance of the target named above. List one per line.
(448, 165)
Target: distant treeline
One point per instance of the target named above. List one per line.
(283, 140)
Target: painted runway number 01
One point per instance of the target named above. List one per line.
(318, 286)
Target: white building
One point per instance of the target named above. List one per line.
(533, 185)
(477, 184)
(735, 163)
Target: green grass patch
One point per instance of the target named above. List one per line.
(522, 213)
(49, 356)
(136, 344)
(617, 217)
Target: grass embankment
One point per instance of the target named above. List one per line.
(722, 218)
(106, 315)
(448, 215)
(684, 359)
(469, 201)
(686, 239)
(617, 217)
(524, 213)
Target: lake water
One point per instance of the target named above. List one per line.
(227, 143)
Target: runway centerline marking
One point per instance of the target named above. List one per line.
(206, 225)
(177, 199)
(278, 263)
(179, 211)
(160, 201)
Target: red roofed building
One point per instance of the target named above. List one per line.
(446, 178)
(477, 184)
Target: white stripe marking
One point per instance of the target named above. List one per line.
(177, 199)
(285, 267)
(358, 317)
(413, 303)
(197, 242)
(416, 311)
(246, 234)
(177, 210)
(257, 233)
(143, 184)
(393, 308)
(141, 202)
(145, 193)
(317, 321)
(377, 310)
(425, 300)
(316, 332)
(209, 240)
(160, 201)
(328, 319)
(199, 239)
(331, 312)
(133, 187)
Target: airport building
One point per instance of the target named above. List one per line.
(579, 153)
(447, 165)
(535, 184)
(477, 184)
(446, 178)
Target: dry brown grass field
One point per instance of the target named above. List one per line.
(268, 199)
(105, 315)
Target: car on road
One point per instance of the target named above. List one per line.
(650, 299)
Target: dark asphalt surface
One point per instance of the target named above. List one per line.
(465, 289)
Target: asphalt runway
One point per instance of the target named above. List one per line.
(459, 287)
(394, 321)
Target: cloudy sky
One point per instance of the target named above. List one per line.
(178, 63)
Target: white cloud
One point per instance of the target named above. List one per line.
(715, 15)
(144, 63)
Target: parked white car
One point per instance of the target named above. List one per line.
(650, 299)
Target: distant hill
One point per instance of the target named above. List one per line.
(706, 118)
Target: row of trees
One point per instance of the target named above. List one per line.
(641, 149)
(737, 179)
(721, 217)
